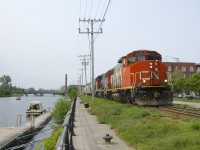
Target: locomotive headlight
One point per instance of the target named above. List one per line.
(144, 81)
(151, 67)
(165, 80)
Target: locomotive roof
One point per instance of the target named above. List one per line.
(144, 52)
(139, 52)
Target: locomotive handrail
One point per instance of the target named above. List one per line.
(65, 141)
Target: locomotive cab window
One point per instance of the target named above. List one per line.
(141, 58)
(150, 57)
(131, 59)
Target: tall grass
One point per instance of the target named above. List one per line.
(145, 129)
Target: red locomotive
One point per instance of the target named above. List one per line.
(139, 77)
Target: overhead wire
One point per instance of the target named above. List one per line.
(102, 13)
(82, 43)
(85, 9)
(103, 18)
(91, 8)
(103, 9)
(106, 9)
(97, 9)
(80, 11)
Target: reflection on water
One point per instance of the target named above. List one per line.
(10, 107)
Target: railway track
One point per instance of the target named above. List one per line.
(189, 111)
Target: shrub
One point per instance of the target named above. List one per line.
(61, 107)
(72, 92)
(50, 142)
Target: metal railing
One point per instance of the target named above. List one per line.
(65, 141)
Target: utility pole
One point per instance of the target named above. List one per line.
(79, 82)
(85, 63)
(82, 80)
(92, 21)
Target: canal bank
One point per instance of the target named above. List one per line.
(15, 136)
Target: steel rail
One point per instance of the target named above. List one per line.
(179, 111)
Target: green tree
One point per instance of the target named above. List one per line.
(5, 87)
(31, 90)
(178, 82)
(176, 75)
(5, 81)
(194, 83)
(17, 90)
(72, 92)
(187, 86)
(179, 85)
(4, 91)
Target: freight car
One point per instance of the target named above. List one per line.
(140, 77)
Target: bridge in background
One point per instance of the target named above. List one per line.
(59, 93)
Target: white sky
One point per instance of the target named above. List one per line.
(39, 39)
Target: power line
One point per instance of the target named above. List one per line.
(90, 9)
(80, 12)
(106, 9)
(103, 18)
(97, 9)
(85, 8)
(102, 9)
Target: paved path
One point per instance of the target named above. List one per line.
(195, 105)
(89, 133)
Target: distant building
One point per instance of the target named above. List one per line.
(186, 67)
(198, 68)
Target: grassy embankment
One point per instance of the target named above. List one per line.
(61, 107)
(146, 129)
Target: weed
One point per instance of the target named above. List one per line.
(195, 124)
(145, 129)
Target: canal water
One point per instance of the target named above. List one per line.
(10, 107)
